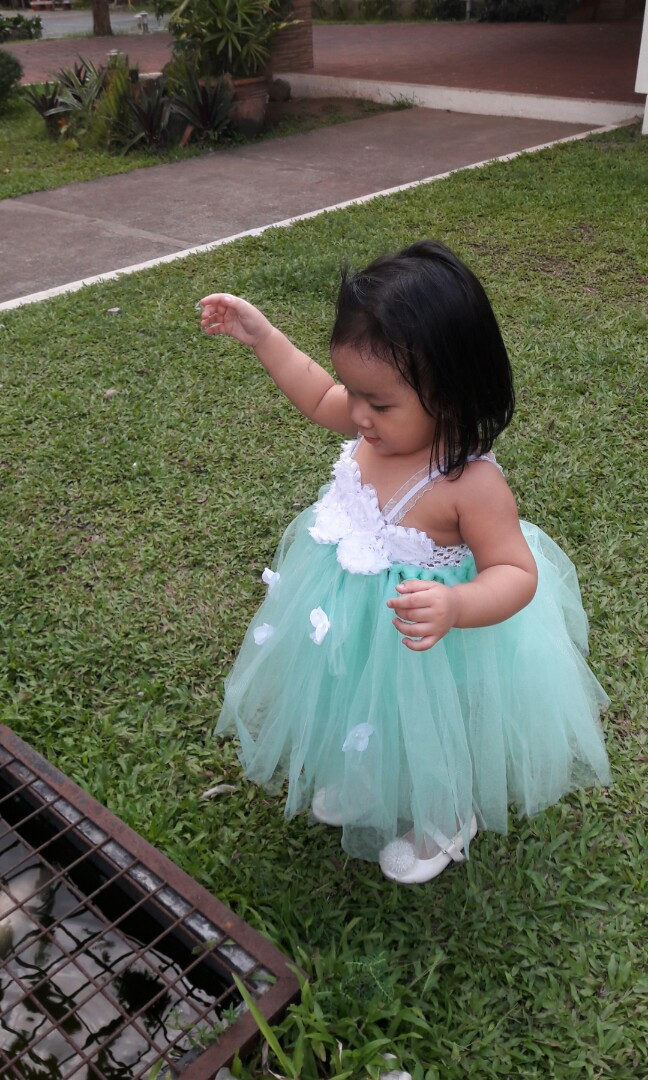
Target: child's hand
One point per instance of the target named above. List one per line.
(225, 314)
(425, 610)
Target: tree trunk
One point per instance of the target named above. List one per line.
(101, 19)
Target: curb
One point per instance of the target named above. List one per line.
(479, 102)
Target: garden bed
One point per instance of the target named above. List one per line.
(32, 162)
(304, 114)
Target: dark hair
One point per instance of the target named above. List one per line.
(425, 312)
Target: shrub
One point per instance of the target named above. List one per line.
(20, 28)
(525, 10)
(228, 36)
(377, 9)
(80, 90)
(111, 127)
(112, 108)
(205, 105)
(149, 118)
(46, 100)
(10, 75)
(439, 9)
(332, 10)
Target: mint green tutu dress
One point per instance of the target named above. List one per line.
(325, 697)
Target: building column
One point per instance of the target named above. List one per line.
(641, 86)
(292, 49)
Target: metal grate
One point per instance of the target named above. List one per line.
(113, 962)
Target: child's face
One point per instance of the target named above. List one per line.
(382, 406)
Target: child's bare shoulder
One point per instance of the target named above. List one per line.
(482, 483)
(480, 492)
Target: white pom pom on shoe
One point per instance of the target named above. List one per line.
(398, 859)
(400, 862)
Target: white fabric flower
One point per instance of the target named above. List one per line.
(270, 578)
(321, 625)
(262, 633)
(362, 552)
(331, 520)
(358, 738)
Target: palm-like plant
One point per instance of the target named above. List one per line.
(45, 99)
(227, 36)
(149, 118)
(204, 104)
(80, 90)
(82, 84)
(42, 98)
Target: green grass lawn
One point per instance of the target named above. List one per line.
(136, 526)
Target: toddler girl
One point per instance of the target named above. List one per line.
(415, 542)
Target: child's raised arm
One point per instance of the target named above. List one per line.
(310, 388)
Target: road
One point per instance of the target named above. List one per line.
(61, 24)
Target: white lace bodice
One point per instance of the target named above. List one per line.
(369, 539)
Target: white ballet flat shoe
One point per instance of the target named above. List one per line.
(320, 811)
(399, 861)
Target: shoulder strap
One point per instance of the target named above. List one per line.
(409, 494)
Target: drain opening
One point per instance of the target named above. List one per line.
(114, 964)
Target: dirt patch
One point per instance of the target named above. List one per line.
(303, 114)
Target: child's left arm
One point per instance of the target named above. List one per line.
(506, 571)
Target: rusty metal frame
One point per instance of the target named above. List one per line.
(218, 941)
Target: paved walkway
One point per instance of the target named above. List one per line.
(53, 238)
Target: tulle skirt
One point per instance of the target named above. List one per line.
(325, 696)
